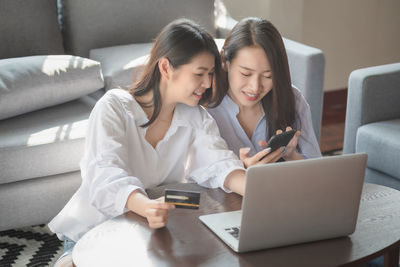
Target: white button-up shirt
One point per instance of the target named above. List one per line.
(233, 133)
(119, 160)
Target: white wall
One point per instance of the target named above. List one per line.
(352, 33)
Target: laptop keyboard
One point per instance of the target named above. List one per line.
(234, 231)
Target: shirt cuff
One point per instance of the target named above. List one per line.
(122, 197)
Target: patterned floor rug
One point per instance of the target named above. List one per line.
(29, 246)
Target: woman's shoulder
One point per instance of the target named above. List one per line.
(225, 109)
(301, 101)
(120, 99)
(296, 91)
(195, 117)
(117, 95)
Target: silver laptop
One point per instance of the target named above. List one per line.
(294, 202)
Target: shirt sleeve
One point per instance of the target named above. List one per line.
(307, 142)
(105, 164)
(210, 161)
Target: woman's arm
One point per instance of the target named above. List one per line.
(106, 168)
(236, 181)
(210, 162)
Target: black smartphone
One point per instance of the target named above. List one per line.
(280, 140)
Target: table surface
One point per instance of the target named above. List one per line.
(127, 240)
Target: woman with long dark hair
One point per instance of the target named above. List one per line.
(153, 134)
(259, 99)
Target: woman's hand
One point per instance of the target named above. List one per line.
(154, 210)
(262, 157)
(290, 152)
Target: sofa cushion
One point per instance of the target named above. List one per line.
(32, 83)
(121, 65)
(93, 24)
(44, 142)
(380, 140)
(29, 28)
(42, 199)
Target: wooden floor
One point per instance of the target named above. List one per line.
(333, 117)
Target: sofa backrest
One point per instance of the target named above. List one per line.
(93, 24)
(29, 28)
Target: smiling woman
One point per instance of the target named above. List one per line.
(157, 133)
(188, 82)
(259, 98)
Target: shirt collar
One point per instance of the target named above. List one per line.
(180, 117)
(140, 116)
(230, 105)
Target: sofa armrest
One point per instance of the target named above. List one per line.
(373, 95)
(307, 67)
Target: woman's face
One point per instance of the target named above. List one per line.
(190, 81)
(249, 76)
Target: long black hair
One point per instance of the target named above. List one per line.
(179, 42)
(279, 103)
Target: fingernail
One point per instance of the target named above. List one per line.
(268, 149)
(246, 149)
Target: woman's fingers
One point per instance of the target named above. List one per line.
(160, 204)
(273, 156)
(262, 143)
(157, 217)
(157, 225)
(260, 155)
(293, 142)
(244, 153)
(157, 212)
(249, 161)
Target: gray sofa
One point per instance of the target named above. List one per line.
(373, 122)
(48, 86)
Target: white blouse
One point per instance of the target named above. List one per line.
(119, 160)
(236, 138)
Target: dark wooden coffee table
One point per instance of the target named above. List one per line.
(126, 240)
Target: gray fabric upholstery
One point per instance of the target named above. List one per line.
(307, 67)
(373, 95)
(98, 94)
(32, 83)
(121, 64)
(35, 201)
(29, 28)
(376, 177)
(372, 121)
(93, 24)
(381, 141)
(44, 142)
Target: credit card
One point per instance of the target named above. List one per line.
(183, 199)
